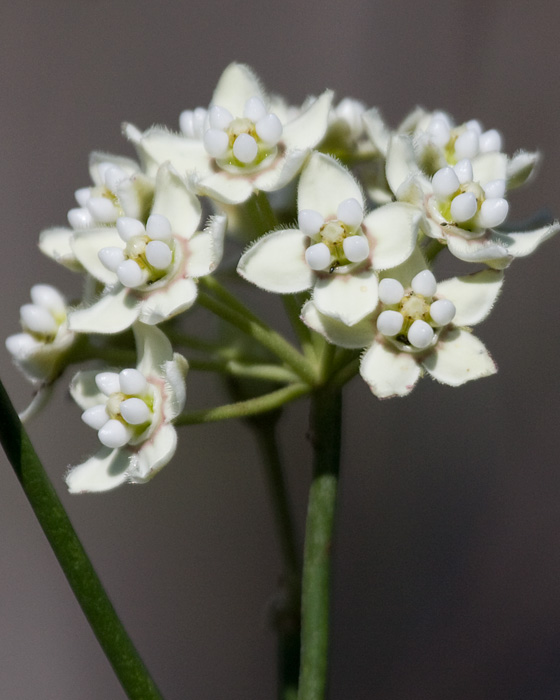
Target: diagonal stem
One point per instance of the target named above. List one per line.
(127, 664)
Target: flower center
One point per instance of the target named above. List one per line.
(148, 253)
(335, 242)
(413, 320)
(128, 411)
(465, 203)
(242, 142)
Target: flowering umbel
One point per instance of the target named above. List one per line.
(346, 218)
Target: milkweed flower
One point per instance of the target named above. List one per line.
(119, 189)
(337, 247)
(419, 326)
(40, 349)
(149, 271)
(132, 410)
(240, 144)
(462, 205)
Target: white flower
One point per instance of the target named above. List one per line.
(119, 189)
(149, 271)
(239, 145)
(40, 349)
(336, 248)
(462, 204)
(132, 411)
(420, 327)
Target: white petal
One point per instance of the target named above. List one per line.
(459, 357)
(324, 184)
(168, 301)
(523, 243)
(175, 394)
(389, 372)
(113, 313)
(281, 172)
(236, 85)
(401, 162)
(153, 348)
(473, 295)
(174, 201)
(158, 145)
(307, 129)
(103, 471)
(376, 129)
(348, 298)
(55, 243)
(201, 255)
(276, 262)
(226, 188)
(392, 230)
(488, 250)
(360, 335)
(86, 246)
(84, 390)
(153, 455)
(489, 166)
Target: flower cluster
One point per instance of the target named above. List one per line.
(343, 214)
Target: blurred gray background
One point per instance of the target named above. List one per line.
(447, 556)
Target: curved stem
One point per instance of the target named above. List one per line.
(241, 409)
(83, 580)
(326, 414)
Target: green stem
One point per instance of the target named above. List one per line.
(326, 414)
(241, 409)
(287, 616)
(263, 335)
(266, 372)
(83, 580)
(293, 304)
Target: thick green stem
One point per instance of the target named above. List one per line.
(326, 414)
(68, 549)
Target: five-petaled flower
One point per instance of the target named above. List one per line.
(149, 270)
(240, 145)
(337, 248)
(132, 410)
(419, 326)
